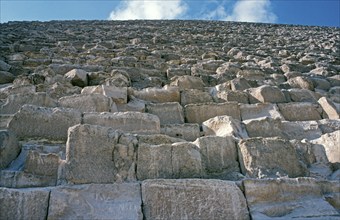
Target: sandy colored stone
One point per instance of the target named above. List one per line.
(300, 111)
(224, 126)
(260, 110)
(87, 103)
(329, 108)
(168, 112)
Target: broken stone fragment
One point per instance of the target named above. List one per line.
(77, 77)
(224, 126)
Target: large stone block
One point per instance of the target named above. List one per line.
(329, 108)
(15, 101)
(168, 112)
(300, 111)
(94, 155)
(169, 94)
(96, 201)
(9, 148)
(189, 132)
(301, 129)
(193, 199)
(193, 96)
(299, 198)
(260, 110)
(224, 126)
(187, 82)
(264, 127)
(198, 113)
(268, 157)
(23, 203)
(40, 122)
(133, 122)
(178, 160)
(87, 103)
(267, 94)
(331, 144)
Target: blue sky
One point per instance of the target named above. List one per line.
(304, 12)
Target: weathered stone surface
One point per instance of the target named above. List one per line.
(178, 160)
(265, 94)
(234, 96)
(189, 132)
(77, 77)
(302, 95)
(6, 77)
(41, 164)
(168, 112)
(267, 157)
(198, 113)
(133, 122)
(195, 96)
(193, 199)
(96, 154)
(117, 94)
(287, 199)
(260, 110)
(264, 127)
(16, 101)
(330, 142)
(96, 201)
(40, 122)
(187, 82)
(290, 111)
(157, 139)
(134, 105)
(9, 148)
(224, 126)
(239, 84)
(301, 129)
(169, 94)
(301, 83)
(87, 103)
(23, 203)
(329, 108)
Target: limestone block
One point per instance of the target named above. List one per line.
(300, 111)
(4, 66)
(239, 84)
(301, 130)
(23, 203)
(219, 154)
(187, 131)
(6, 77)
(260, 110)
(170, 94)
(178, 160)
(41, 164)
(21, 179)
(328, 108)
(168, 112)
(157, 139)
(134, 105)
(329, 125)
(40, 122)
(198, 113)
(9, 148)
(224, 126)
(301, 82)
(233, 96)
(269, 94)
(193, 199)
(94, 155)
(96, 201)
(117, 94)
(331, 144)
(264, 127)
(187, 82)
(193, 96)
(86, 103)
(267, 157)
(133, 122)
(287, 199)
(15, 101)
(77, 77)
(302, 95)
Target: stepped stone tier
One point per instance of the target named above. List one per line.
(169, 120)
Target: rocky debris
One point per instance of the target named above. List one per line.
(175, 100)
(214, 199)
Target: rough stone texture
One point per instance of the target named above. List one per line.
(264, 127)
(157, 139)
(301, 129)
(187, 82)
(194, 199)
(42, 164)
(329, 108)
(117, 94)
(260, 110)
(193, 96)
(77, 77)
(267, 94)
(9, 148)
(87, 103)
(263, 157)
(290, 111)
(6, 77)
(168, 112)
(133, 122)
(51, 123)
(96, 154)
(299, 198)
(330, 142)
(16, 101)
(23, 203)
(198, 113)
(96, 201)
(224, 126)
(170, 94)
(178, 160)
(189, 132)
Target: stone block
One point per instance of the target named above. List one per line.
(233, 96)
(23, 203)
(329, 108)
(40, 122)
(87, 103)
(77, 77)
(169, 94)
(133, 122)
(193, 199)
(96, 201)
(117, 94)
(168, 112)
(267, 94)
(9, 148)
(267, 157)
(198, 113)
(301, 130)
(264, 127)
(187, 131)
(224, 126)
(194, 96)
(187, 82)
(299, 198)
(302, 95)
(41, 164)
(260, 110)
(292, 111)
(331, 144)
(157, 139)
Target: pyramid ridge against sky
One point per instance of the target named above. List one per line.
(169, 119)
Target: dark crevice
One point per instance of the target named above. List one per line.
(48, 204)
(142, 203)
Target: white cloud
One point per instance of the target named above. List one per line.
(149, 9)
(252, 11)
